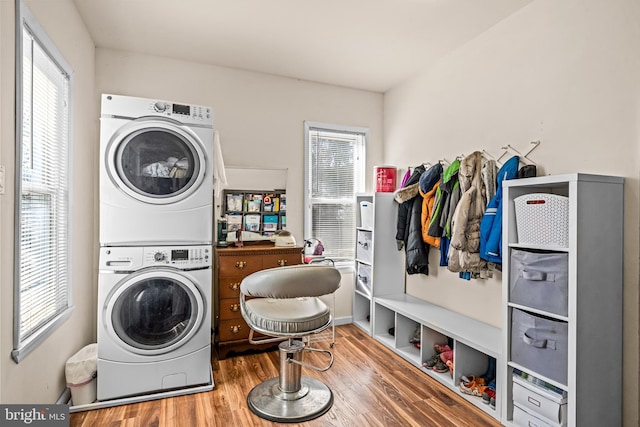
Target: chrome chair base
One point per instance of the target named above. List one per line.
(268, 401)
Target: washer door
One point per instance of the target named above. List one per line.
(154, 311)
(156, 160)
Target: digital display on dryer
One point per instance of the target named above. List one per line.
(181, 109)
(179, 254)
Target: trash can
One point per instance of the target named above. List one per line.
(80, 372)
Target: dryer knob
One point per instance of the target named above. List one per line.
(160, 106)
(159, 256)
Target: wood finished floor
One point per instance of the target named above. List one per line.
(371, 385)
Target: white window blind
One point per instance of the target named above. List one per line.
(42, 294)
(335, 161)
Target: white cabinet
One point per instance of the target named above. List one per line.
(379, 266)
(582, 362)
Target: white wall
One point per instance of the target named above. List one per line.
(39, 378)
(562, 72)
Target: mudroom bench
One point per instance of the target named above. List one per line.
(395, 319)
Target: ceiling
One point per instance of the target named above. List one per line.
(364, 44)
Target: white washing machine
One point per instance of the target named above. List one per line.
(154, 319)
(156, 172)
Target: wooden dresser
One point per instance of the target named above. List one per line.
(231, 265)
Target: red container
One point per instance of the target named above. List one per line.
(385, 178)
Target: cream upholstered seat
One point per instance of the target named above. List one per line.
(289, 308)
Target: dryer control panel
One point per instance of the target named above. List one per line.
(129, 258)
(133, 108)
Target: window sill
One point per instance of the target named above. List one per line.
(39, 337)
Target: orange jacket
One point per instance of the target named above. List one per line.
(428, 200)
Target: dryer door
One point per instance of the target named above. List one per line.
(154, 311)
(156, 160)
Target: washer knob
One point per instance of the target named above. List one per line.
(160, 106)
(159, 256)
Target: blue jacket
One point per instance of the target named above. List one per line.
(491, 225)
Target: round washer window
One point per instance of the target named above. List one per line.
(154, 313)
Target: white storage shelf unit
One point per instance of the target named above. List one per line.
(594, 301)
(379, 265)
(473, 341)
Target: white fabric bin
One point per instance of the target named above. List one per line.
(364, 250)
(540, 280)
(363, 282)
(366, 215)
(543, 404)
(522, 418)
(540, 345)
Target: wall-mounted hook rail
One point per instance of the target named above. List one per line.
(524, 157)
(488, 155)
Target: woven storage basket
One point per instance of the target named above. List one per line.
(542, 219)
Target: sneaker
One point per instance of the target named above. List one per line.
(429, 364)
(472, 388)
(392, 331)
(492, 403)
(488, 394)
(440, 366)
(416, 336)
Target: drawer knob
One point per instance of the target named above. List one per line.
(234, 286)
(235, 329)
(282, 262)
(241, 264)
(234, 308)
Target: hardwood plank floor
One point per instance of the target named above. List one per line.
(372, 386)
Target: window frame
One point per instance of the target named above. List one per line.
(359, 180)
(22, 346)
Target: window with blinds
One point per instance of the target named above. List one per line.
(42, 273)
(335, 162)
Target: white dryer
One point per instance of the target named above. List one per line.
(156, 172)
(154, 319)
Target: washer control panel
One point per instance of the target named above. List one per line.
(129, 258)
(179, 256)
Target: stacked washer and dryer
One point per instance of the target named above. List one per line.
(154, 284)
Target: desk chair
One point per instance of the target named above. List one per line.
(288, 308)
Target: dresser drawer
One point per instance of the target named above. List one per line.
(230, 309)
(281, 260)
(233, 329)
(239, 265)
(229, 287)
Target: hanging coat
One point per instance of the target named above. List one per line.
(491, 226)
(447, 196)
(429, 184)
(464, 250)
(409, 226)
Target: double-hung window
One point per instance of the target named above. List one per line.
(334, 173)
(42, 279)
